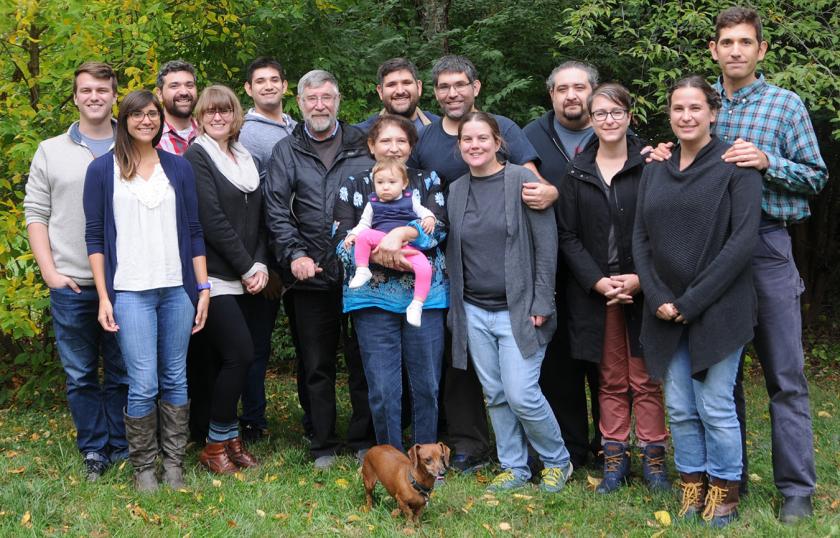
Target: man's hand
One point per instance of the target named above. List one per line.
(746, 155)
(662, 152)
(304, 268)
(537, 321)
(428, 224)
(58, 281)
(629, 287)
(606, 286)
(667, 312)
(539, 195)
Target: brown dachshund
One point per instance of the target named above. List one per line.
(410, 479)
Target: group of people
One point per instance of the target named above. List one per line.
(467, 268)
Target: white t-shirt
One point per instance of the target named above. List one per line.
(147, 233)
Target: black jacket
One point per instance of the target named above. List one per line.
(299, 194)
(554, 161)
(584, 219)
(231, 219)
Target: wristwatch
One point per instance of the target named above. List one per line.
(204, 286)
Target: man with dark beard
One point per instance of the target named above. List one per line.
(177, 91)
(400, 89)
(559, 135)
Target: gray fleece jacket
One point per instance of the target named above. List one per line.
(54, 198)
(530, 259)
(259, 134)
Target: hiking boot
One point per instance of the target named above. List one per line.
(214, 457)
(141, 434)
(174, 430)
(721, 502)
(653, 468)
(94, 467)
(554, 478)
(616, 466)
(506, 481)
(795, 508)
(251, 433)
(693, 486)
(239, 455)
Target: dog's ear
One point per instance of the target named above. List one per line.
(444, 450)
(412, 455)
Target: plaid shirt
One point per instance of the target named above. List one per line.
(172, 142)
(776, 121)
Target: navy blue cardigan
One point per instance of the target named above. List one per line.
(101, 229)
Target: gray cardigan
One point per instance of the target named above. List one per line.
(530, 259)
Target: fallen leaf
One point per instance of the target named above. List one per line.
(217, 483)
(17, 471)
(231, 523)
(592, 481)
(34, 437)
(755, 477)
(489, 529)
(663, 517)
(122, 465)
(26, 520)
(11, 453)
(408, 531)
(301, 482)
(657, 534)
(239, 476)
(280, 516)
(260, 513)
(342, 483)
(835, 504)
(505, 526)
(353, 517)
(371, 527)
(492, 502)
(824, 414)
(521, 496)
(467, 507)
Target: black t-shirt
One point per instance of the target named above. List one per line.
(483, 237)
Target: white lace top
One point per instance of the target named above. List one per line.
(147, 233)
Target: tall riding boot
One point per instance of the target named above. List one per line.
(141, 434)
(721, 502)
(693, 486)
(174, 429)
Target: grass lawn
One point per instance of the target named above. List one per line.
(42, 490)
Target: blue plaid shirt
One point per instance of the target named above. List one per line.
(776, 121)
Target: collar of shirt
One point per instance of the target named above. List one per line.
(332, 134)
(171, 131)
(744, 94)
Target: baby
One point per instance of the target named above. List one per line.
(391, 207)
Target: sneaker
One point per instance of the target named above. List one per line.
(414, 312)
(467, 464)
(554, 478)
(325, 462)
(506, 481)
(94, 469)
(361, 278)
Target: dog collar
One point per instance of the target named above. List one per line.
(420, 488)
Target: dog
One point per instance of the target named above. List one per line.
(408, 479)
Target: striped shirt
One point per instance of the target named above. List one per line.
(172, 142)
(777, 122)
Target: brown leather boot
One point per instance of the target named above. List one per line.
(721, 502)
(693, 486)
(238, 454)
(214, 457)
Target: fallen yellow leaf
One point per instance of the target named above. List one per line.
(467, 506)
(26, 519)
(11, 453)
(505, 526)
(755, 477)
(342, 483)
(301, 482)
(489, 529)
(657, 534)
(122, 465)
(217, 483)
(521, 496)
(592, 481)
(239, 476)
(824, 414)
(260, 513)
(17, 471)
(492, 502)
(663, 517)
(281, 516)
(353, 517)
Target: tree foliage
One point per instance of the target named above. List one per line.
(644, 44)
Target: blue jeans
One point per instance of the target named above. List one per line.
(96, 408)
(518, 410)
(154, 333)
(387, 342)
(253, 394)
(704, 426)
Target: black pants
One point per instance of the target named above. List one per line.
(218, 361)
(303, 398)
(320, 325)
(563, 380)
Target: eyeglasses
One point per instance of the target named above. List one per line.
(458, 86)
(139, 115)
(617, 114)
(225, 113)
(326, 100)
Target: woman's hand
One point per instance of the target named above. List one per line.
(389, 252)
(537, 321)
(667, 312)
(348, 242)
(106, 316)
(428, 224)
(256, 282)
(201, 310)
(624, 294)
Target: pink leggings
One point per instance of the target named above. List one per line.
(370, 238)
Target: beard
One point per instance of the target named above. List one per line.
(320, 124)
(573, 116)
(173, 109)
(410, 108)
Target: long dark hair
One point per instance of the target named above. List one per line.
(125, 152)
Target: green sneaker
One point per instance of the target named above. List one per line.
(554, 478)
(506, 481)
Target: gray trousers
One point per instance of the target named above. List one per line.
(778, 342)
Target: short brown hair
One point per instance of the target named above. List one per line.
(613, 91)
(385, 120)
(220, 96)
(391, 163)
(738, 15)
(98, 70)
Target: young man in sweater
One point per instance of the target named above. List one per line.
(769, 129)
(56, 228)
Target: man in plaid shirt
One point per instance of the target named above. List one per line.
(770, 130)
(178, 94)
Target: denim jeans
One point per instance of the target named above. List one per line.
(387, 342)
(96, 408)
(519, 412)
(154, 333)
(704, 426)
(253, 395)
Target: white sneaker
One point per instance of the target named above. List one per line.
(413, 313)
(361, 278)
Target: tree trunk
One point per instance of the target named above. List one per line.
(435, 19)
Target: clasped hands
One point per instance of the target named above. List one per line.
(618, 289)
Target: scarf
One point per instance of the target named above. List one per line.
(242, 173)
